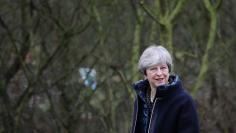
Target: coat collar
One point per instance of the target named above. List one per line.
(162, 91)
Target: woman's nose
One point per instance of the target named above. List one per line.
(158, 72)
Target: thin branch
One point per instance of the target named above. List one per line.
(177, 9)
(151, 14)
(210, 44)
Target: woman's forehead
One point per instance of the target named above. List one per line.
(159, 64)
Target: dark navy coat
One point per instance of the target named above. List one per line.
(173, 109)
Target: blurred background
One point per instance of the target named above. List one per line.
(66, 66)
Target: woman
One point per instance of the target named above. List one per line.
(161, 105)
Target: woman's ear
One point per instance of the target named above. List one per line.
(169, 67)
(145, 77)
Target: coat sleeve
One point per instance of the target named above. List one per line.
(135, 111)
(188, 119)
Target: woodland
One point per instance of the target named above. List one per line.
(67, 66)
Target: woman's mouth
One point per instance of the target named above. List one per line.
(160, 79)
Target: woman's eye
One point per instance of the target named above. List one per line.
(153, 69)
(163, 67)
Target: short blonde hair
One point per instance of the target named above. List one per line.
(153, 55)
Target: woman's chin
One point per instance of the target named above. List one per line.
(159, 84)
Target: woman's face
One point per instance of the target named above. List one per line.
(157, 75)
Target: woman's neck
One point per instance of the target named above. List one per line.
(153, 94)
